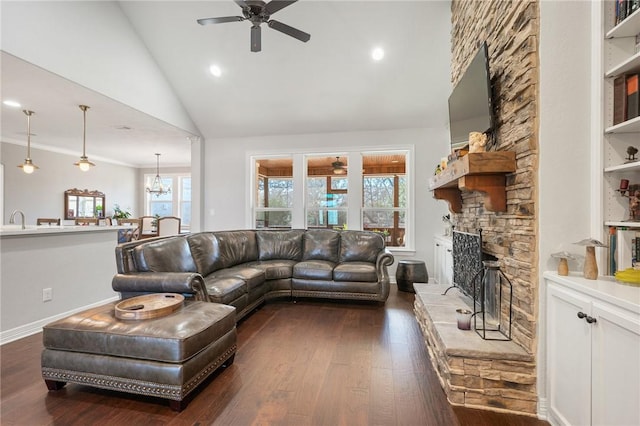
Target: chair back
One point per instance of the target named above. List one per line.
(135, 223)
(146, 225)
(168, 225)
(86, 221)
(47, 221)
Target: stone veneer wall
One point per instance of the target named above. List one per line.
(511, 29)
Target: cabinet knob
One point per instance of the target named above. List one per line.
(449, 250)
(591, 320)
(582, 315)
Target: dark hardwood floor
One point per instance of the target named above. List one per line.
(304, 363)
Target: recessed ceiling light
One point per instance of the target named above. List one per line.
(11, 103)
(377, 53)
(215, 70)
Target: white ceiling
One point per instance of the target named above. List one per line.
(329, 84)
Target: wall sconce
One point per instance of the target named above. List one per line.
(84, 164)
(28, 167)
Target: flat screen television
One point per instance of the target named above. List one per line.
(470, 103)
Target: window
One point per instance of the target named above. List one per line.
(326, 192)
(367, 190)
(384, 196)
(177, 203)
(274, 193)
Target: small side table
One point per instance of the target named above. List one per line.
(411, 271)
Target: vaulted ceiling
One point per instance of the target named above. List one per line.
(329, 84)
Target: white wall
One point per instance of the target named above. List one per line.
(565, 176)
(93, 44)
(226, 175)
(41, 194)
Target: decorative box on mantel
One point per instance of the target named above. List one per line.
(479, 171)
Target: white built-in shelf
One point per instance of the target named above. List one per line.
(631, 64)
(623, 224)
(629, 126)
(627, 167)
(627, 28)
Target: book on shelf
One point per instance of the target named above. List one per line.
(633, 97)
(624, 9)
(619, 99)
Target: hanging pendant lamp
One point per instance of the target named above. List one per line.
(156, 187)
(28, 167)
(84, 164)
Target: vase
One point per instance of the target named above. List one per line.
(563, 267)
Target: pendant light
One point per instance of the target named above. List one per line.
(156, 187)
(28, 167)
(84, 164)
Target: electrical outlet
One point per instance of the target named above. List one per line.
(47, 294)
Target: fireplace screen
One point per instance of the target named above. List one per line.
(467, 261)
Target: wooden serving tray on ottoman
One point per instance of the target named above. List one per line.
(149, 306)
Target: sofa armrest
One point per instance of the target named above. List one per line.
(161, 282)
(384, 259)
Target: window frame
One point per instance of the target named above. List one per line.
(177, 200)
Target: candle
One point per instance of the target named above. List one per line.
(624, 184)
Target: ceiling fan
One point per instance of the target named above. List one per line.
(259, 12)
(338, 167)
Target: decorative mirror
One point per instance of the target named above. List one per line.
(78, 203)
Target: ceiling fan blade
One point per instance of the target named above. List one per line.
(293, 32)
(243, 4)
(256, 39)
(220, 20)
(275, 5)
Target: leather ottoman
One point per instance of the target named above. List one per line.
(165, 357)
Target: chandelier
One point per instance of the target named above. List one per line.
(156, 187)
(28, 166)
(84, 164)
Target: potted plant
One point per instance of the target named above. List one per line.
(118, 213)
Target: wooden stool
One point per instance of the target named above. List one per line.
(411, 271)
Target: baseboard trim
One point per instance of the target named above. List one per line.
(36, 326)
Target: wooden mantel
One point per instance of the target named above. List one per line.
(479, 171)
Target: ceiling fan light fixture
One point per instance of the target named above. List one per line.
(28, 167)
(84, 164)
(156, 186)
(338, 167)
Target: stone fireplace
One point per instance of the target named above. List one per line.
(474, 373)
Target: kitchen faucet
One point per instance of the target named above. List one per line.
(12, 219)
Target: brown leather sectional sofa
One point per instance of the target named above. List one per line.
(246, 267)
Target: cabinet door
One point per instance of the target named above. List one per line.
(438, 261)
(616, 366)
(447, 272)
(568, 357)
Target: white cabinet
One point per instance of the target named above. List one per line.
(593, 352)
(443, 260)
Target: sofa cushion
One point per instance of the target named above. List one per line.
(275, 269)
(205, 250)
(314, 270)
(254, 277)
(360, 246)
(236, 247)
(355, 271)
(225, 290)
(166, 255)
(286, 245)
(321, 244)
